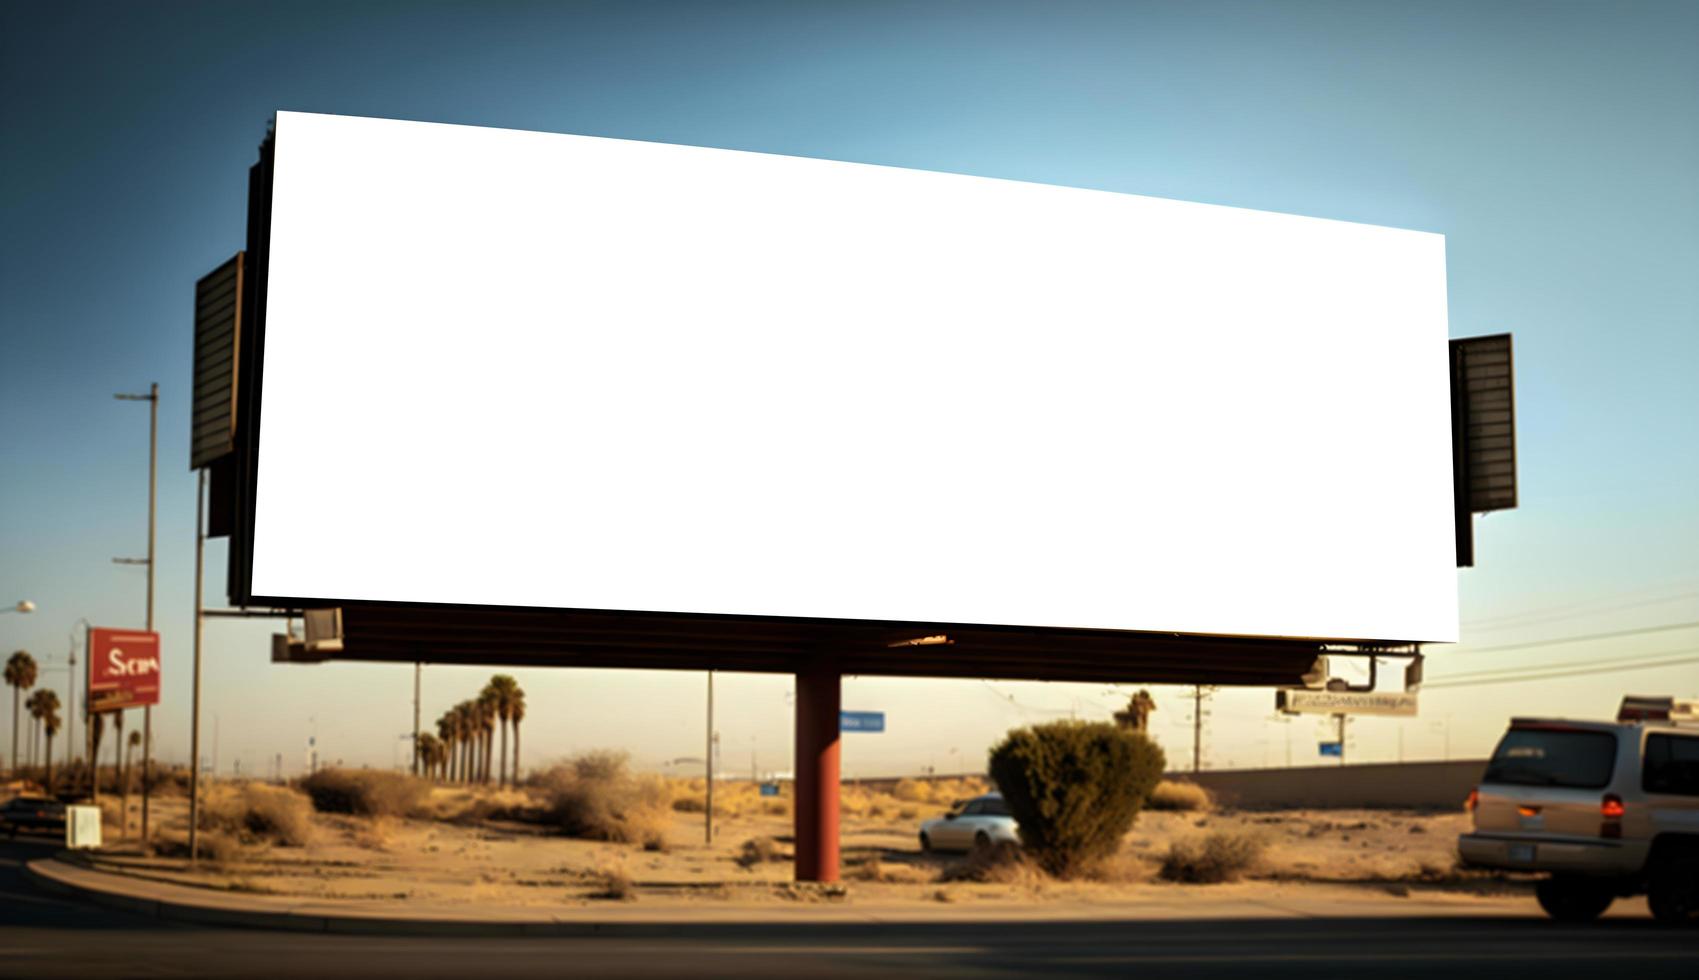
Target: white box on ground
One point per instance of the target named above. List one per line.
(530, 369)
(82, 827)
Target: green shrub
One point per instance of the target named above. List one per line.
(366, 792)
(1217, 858)
(1075, 788)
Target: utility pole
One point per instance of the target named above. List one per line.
(1199, 694)
(417, 667)
(195, 697)
(152, 398)
(708, 830)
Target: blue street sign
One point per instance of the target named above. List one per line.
(861, 721)
(1335, 749)
(769, 789)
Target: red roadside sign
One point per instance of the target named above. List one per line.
(123, 669)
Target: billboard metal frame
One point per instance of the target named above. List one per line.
(455, 633)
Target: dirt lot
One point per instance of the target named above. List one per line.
(465, 847)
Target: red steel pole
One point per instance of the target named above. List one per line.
(817, 705)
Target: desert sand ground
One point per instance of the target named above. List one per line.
(455, 852)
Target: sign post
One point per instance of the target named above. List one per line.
(861, 721)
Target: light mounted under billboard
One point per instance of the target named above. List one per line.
(527, 369)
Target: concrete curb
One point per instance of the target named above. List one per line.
(158, 900)
(48, 874)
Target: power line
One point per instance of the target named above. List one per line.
(1557, 641)
(1571, 610)
(1674, 661)
(1542, 668)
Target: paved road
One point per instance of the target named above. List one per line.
(45, 935)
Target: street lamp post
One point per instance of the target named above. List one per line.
(152, 398)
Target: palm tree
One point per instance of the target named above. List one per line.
(504, 687)
(445, 737)
(489, 712)
(426, 749)
(516, 712)
(134, 743)
(118, 762)
(480, 711)
(32, 704)
(20, 676)
(97, 730)
(439, 757)
(50, 724)
(463, 735)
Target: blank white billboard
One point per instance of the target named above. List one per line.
(532, 369)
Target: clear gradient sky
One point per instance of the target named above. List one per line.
(1556, 145)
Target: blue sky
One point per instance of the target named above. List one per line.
(1556, 145)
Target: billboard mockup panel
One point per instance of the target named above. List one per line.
(530, 369)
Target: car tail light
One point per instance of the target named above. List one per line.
(1610, 816)
(1473, 801)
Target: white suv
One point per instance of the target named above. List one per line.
(1609, 809)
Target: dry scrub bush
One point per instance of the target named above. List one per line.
(165, 780)
(366, 792)
(1003, 863)
(1170, 795)
(1219, 857)
(476, 804)
(214, 846)
(1075, 789)
(732, 798)
(939, 792)
(760, 850)
(875, 870)
(596, 796)
(255, 812)
(1119, 869)
(615, 886)
(858, 801)
(111, 812)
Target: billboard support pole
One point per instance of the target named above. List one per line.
(818, 702)
(195, 702)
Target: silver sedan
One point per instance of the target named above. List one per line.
(981, 822)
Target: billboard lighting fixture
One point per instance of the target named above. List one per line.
(922, 641)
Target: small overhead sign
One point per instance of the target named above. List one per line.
(861, 721)
(123, 669)
(1302, 701)
(1334, 749)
